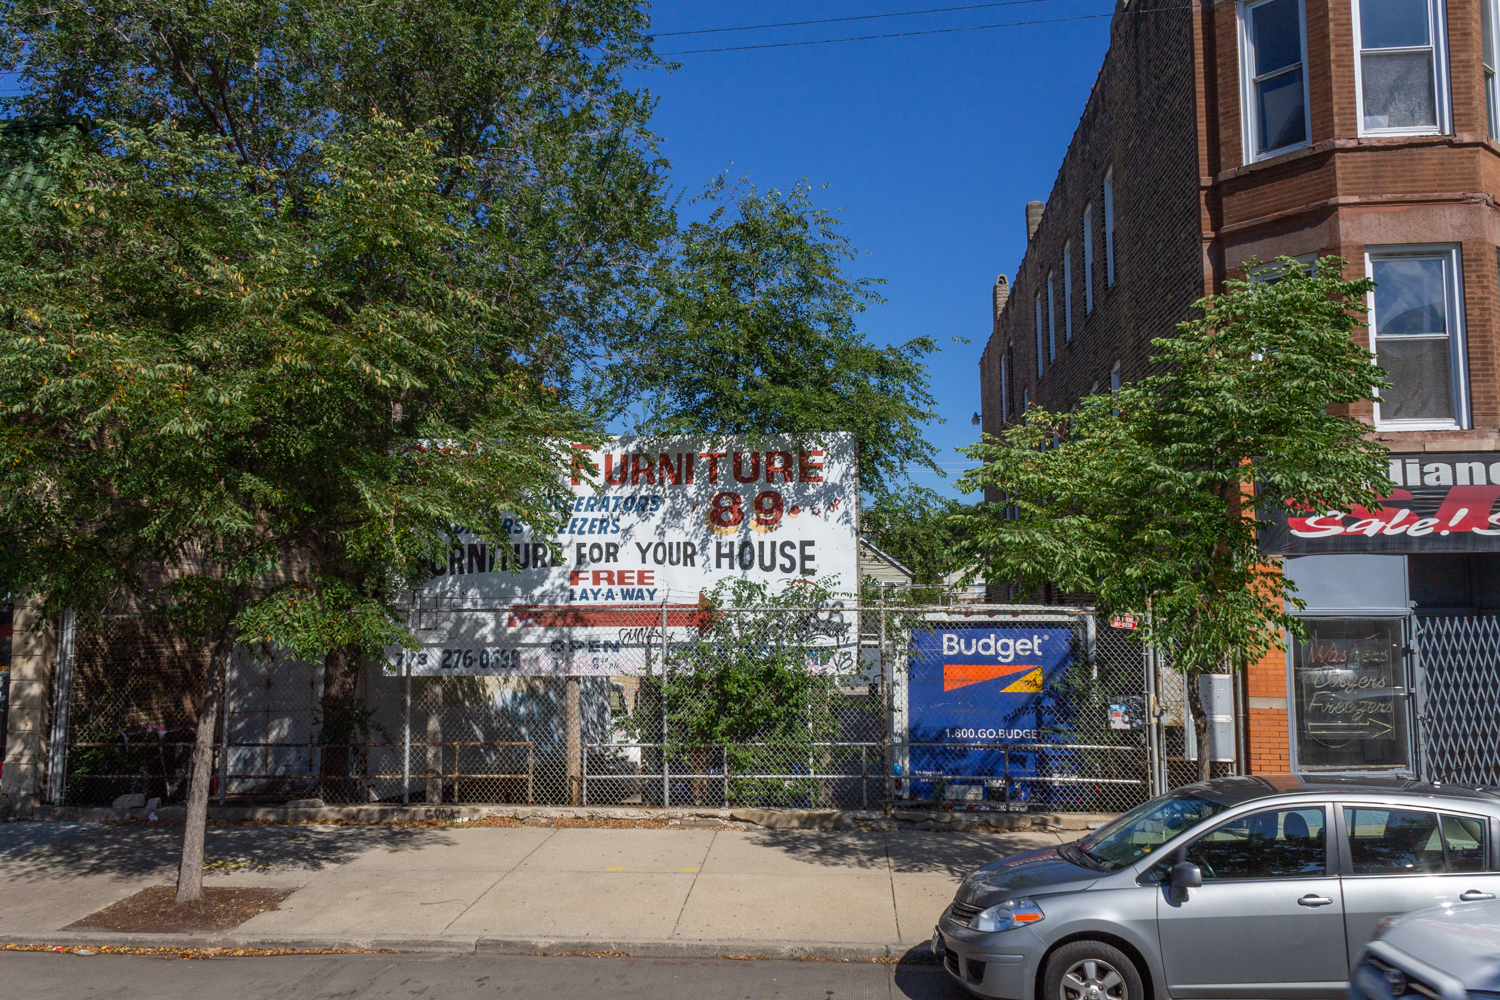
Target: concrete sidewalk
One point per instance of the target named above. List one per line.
(518, 889)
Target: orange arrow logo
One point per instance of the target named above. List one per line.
(957, 675)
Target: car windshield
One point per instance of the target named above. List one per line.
(1148, 826)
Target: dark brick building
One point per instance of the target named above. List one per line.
(1223, 132)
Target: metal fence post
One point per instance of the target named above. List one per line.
(666, 781)
(406, 733)
(57, 764)
(890, 715)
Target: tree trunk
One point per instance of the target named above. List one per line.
(340, 722)
(1200, 724)
(190, 869)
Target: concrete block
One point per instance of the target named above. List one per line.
(791, 819)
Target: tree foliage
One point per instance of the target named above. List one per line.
(760, 685)
(920, 528)
(325, 281)
(1152, 493)
(749, 328)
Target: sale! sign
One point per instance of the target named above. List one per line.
(654, 524)
(1439, 504)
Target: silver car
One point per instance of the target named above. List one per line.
(1246, 888)
(1445, 952)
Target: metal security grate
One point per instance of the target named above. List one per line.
(1460, 689)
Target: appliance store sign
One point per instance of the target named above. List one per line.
(1439, 504)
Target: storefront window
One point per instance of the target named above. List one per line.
(1350, 694)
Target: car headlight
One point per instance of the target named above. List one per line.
(1004, 916)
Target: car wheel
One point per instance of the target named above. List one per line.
(1092, 970)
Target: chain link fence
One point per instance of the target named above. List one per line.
(831, 707)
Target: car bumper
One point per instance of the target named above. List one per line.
(988, 965)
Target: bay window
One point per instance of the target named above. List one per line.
(1416, 315)
(1490, 23)
(1274, 76)
(1401, 78)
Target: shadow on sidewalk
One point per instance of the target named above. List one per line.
(38, 851)
(909, 852)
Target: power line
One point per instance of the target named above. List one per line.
(901, 34)
(831, 20)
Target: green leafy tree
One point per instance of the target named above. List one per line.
(760, 684)
(258, 417)
(749, 328)
(544, 158)
(1149, 495)
(920, 528)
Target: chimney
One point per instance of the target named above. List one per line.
(1002, 293)
(1033, 218)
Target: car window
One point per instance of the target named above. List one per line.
(1148, 826)
(1274, 843)
(1465, 837)
(1393, 841)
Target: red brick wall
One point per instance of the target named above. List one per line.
(1140, 119)
(1265, 687)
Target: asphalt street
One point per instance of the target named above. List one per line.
(456, 977)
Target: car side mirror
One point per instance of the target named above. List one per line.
(1185, 876)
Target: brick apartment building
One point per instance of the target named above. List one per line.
(1223, 132)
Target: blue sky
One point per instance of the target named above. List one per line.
(931, 144)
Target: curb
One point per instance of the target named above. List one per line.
(831, 951)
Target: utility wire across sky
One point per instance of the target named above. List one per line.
(909, 34)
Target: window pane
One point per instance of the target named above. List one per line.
(1421, 378)
(1409, 295)
(1393, 841)
(1277, 843)
(1282, 121)
(1465, 837)
(1487, 27)
(1398, 90)
(1391, 24)
(1350, 694)
(1277, 31)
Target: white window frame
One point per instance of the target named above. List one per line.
(1437, 27)
(1457, 341)
(1489, 59)
(1051, 317)
(1004, 396)
(1068, 291)
(1037, 304)
(1088, 258)
(1248, 105)
(1114, 378)
(1109, 228)
(1270, 273)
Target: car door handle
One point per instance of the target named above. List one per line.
(1311, 900)
(1474, 896)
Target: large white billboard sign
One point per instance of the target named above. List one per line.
(655, 523)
